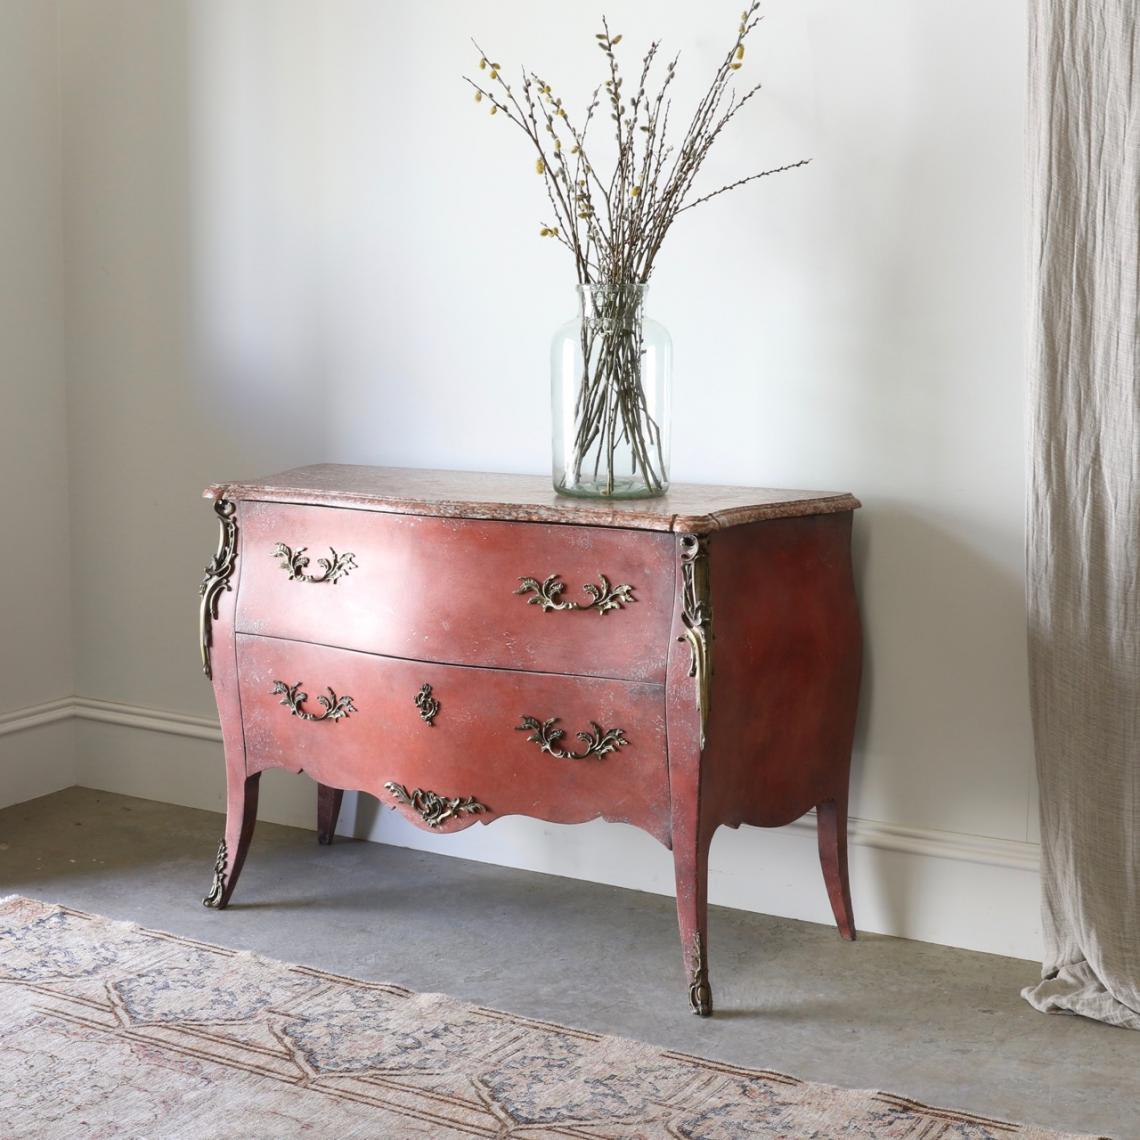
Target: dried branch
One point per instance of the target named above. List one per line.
(742, 181)
(614, 228)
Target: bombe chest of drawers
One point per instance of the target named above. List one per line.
(468, 646)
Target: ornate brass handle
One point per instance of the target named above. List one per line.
(295, 562)
(292, 698)
(546, 736)
(432, 808)
(547, 594)
(427, 704)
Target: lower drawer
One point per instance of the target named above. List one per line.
(451, 745)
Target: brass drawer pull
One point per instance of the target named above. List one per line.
(335, 707)
(432, 808)
(295, 562)
(428, 705)
(546, 736)
(547, 594)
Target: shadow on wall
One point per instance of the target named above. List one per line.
(942, 739)
(928, 721)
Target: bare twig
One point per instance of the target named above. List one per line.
(742, 181)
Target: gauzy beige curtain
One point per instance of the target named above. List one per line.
(1084, 499)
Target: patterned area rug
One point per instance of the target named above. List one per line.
(110, 1030)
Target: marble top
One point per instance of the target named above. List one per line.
(688, 508)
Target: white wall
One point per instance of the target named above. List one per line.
(36, 753)
(293, 237)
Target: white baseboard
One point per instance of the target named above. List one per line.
(955, 889)
(37, 751)
(33, 716)
(155, 720)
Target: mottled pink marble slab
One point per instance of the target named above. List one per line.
(688, 508)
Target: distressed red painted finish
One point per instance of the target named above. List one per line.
(443, 589)
(724, 693)
(472, 747)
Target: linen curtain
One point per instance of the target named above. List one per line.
(1083, 545)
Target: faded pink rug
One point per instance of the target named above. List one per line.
(111, 1030)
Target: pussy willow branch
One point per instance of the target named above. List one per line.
(698, 139)
(615, 228)
(742, 181)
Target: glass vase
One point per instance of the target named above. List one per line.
(610, 388)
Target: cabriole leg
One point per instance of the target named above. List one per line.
(328, 810)
(831, 826)
(241, 815)
(691, 865)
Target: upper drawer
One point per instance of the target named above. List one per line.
(447, 590)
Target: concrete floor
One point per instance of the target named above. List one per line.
(944, 1026)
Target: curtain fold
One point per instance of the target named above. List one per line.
(1083, 539)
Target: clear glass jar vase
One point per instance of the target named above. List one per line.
(611, 372)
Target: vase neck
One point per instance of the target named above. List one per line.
(623, 302)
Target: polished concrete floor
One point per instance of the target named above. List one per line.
(944, 1026)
